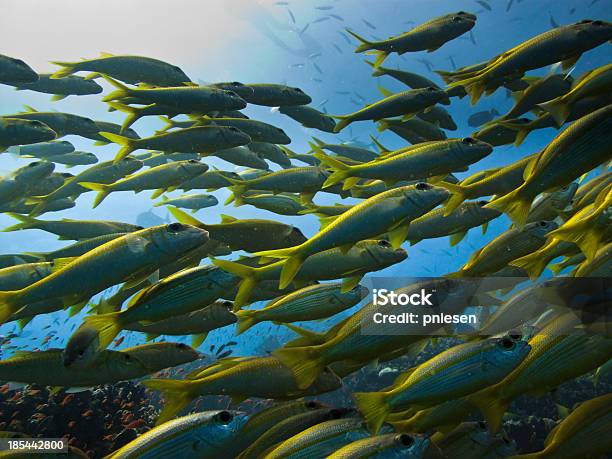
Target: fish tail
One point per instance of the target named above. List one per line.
(237, 195)
(128, 145)
(364, 45)
(474, 86)
(522, 130)
(340, 170)
(514, 205)
(108, 327)
(27, 222)
(446, 76)
(318, 141)
(377, 70)
(290, 269)
(7, 305)
(177, 394)
(133, 114)
(374, 407)
(492, 406)
(103, 191)
(121, 92)
(248, 283)
(558, 109)
(246, 319)
(169, 124)
(184, 217)
(583, 233)
(68, 68)
(383, 125)
(305, 363)
(458, 195)
(534, 264)
(344, 122)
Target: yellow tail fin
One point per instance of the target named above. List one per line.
(103, 191)
(66, 70)
(248, 283)
(514, 205)
(558, 109)
(246, 319)
(177, 394)
(374, 407)
(458, 195)
(305, 363)
(128, 145)
(7, 306)
(108, 327)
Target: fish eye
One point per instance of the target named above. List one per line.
(506, 440)
(193, 161)
(139, 227)
(515, 335)
(384, 243)
(66, 175)
(181, 346)
(457, 19)
(543, 224)
(507, 343)
(585, 21)
(597, 23)
(224, 417)
(81, 352)
(482, 425)
(405, 440)
(236, 83)
(228, 304)
(468, 140)
(298, 90)
(422, 186)
(430, 88)
(312, 404)
(482, 203)
(34, 164)
(335, 414)
(176, 227)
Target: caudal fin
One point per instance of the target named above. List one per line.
(121, 92)
(534, 263)
(177, 395)
(108, 327)
(514, 205)
(364, 45)
(458, 195)
(474, 86)
(248, 283)
(522, 130)
(68, 68)
(344, 122)
(340, 170)
(128, 145)
(305, 363)
(133, 114)
(7, 305)
(558, 109)
(246, 319)
(103, 191)
(27, 222)
(373, 407)
(492, 406)
(584, 234)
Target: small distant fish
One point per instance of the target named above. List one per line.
(472, 38)
(314, 55)
(346, 37)
(344, 93)
(119, 341)
(317, 80)
(281, 3)
(335, 16)
(484, 4)
(358, 95)
(317, 68)
(572, 10)
(322, 103)
(552, 20)
(354, 101)
(452, 61)
(304, 28)
(337, 48)
(299, 65)
(324, 8)
(321, 19)
(593, 2)
(426, 63)
(291, 16)
(482, 117)
(509, 5)
(369, 24)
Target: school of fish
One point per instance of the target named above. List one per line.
(192, 276)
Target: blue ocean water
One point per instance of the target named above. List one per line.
(297, 43)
